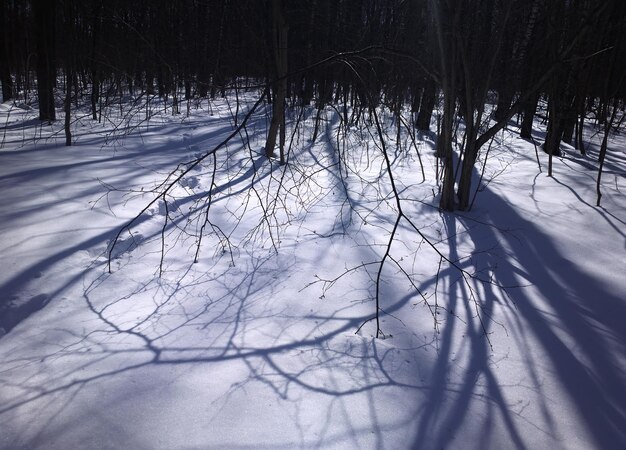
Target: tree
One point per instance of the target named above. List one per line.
(5, 70)
(279, 84)
(44, 12)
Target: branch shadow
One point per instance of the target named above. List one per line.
(452, 396)
(226, 323)
(583, 336)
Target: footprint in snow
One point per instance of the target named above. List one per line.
(191, 182)
(124, 244)
(171, 207)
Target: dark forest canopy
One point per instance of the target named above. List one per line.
(210, 42)
(460, 55)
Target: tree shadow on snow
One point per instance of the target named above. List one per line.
(206, 320)
(579, 328)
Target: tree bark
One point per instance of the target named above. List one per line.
(555, 128)
(505, 99)
(69, 82)
(529, 108)
(5, 70)
(279, 44)
(70, 69)
(44, 11)
(7, 83)
(427, 105)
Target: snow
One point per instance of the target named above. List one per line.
(255, 346)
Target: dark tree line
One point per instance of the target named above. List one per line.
(482, 62)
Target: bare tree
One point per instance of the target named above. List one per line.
(45, 11)
(279, 84)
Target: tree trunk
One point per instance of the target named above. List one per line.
(70, 68)
(555, 128)
(470, 154)
(529, 109)
(569, 124)
(444, 151)
(95, 73)
(44, 11)
(5, 70)
(7, 83)
(580, 127)
(427, 105)
(279, 44)
(447, 63)
(505, 98)
(601, 158)
(69, 82)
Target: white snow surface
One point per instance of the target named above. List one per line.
(251, 347)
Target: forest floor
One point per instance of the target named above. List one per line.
(268, 341)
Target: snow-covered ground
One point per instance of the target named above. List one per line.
(256, 345)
